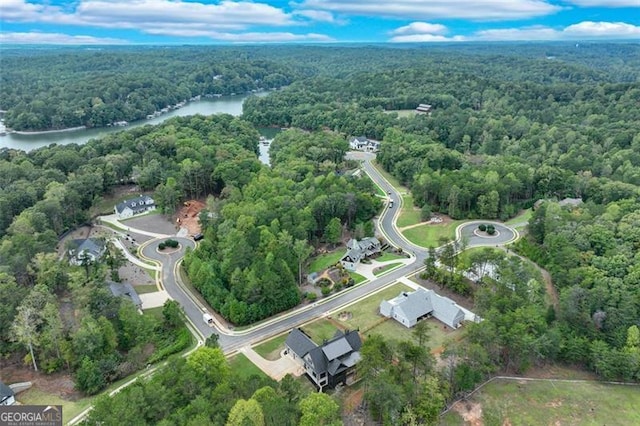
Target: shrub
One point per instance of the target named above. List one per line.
(161, 246)
(311, 296)
(491, 229)
(482, 227)
(325, 290)
(171, 243)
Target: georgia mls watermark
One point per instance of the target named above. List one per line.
(30, 415)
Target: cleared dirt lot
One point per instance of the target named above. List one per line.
(152, 223)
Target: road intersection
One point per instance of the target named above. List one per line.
(232, 340)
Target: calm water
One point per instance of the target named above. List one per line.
(228, 104)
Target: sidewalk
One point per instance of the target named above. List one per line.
(131, 258)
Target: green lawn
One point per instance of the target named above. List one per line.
(146, 288)
(365, 317)
(323, 261)
(319, 330)
(409, 214)
(155, 312)
(385, 268)
(364, 314)
(357, 278)
(523, 216)
(70, 409)
(241, 365)
(554, 403)
(271, 349)
(429, 235)
(389, 256)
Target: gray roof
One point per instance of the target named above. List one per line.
(421, 302)
(573, 202)
(135, 203)
(414, 304)
(336, 349)
(360, 139)
(5, 392)
(89, 245)
(125, 290)
(299, 342)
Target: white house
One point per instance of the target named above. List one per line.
(358, 250)
(408, 308)
(361, 143)
(85, 250)
(134, 206)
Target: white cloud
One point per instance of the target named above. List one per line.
(316, 15)
(55, 38)
(433, 9)
(589, 29)
(605, 3)
(420, 28)
(150, 15)
(581, 31)
(424, 38)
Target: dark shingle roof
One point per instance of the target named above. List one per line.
(5, 392)
(299, 342)
(88, 245)
(134, 203)
(125, 290)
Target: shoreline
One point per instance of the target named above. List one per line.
(45, 132)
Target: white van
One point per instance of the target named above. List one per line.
(208, 319)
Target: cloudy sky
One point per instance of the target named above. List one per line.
(307, 21)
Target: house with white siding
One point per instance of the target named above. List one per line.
(408, 308)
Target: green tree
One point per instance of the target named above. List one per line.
(333, 231)
(319, 409)
(302, 251)
(246, 413)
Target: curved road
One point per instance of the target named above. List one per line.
(231, 340)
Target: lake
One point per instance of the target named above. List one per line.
(227, 104)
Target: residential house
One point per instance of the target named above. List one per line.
(125, 290)
(85, 250)
(329, 364)
(134, 206)
(358, 250)
(409, 308)
(7, 395)
(424, 109)
(361, 143)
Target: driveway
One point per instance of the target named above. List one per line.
(275, 369)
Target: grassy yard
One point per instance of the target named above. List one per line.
(385, 268)
(323, 261)
(70, 409)
(357, 278)
(364, 314)
(429, 235)
(240, 364)
(409, 214)
(319, 330)
(523, 216)
(271, 349)
(554, 403)
(365, 317)
(389, 256)
(155, 312)
(147, 288)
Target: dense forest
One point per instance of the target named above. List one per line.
(248, 267)
(202, 390)
(510, 125)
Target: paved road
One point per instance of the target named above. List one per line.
(233, 340)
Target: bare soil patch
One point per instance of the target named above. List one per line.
(59, 384)
(471, 412)
(188, 216)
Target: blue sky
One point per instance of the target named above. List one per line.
(306, 21)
